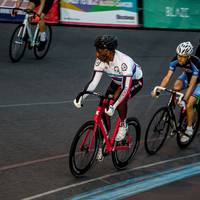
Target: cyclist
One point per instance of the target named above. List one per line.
(190, 79)
(45, 6)
(126, 75)
(197, 53)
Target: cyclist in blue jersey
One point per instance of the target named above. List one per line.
(189, 80)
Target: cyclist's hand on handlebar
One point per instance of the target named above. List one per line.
(78, 102)
(155, 93)
(110, 111)
(182, 104)
(13, 13)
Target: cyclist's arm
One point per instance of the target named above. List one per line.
(167, 78)
(190, 88)
(42, 3)
(93, 82)
(126, 87)
(18, 3)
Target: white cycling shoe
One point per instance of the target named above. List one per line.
(121, 132)
(186, 137)
(99, 156)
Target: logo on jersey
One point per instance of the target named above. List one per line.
(124, 67)
(116, 69)
(97, 62)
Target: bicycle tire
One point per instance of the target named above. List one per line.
(132, 141)
(195, 125)
(157, 136)
(41, 54)
(74, 155)
(16, 41)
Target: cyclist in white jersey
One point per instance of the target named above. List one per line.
(126, 75)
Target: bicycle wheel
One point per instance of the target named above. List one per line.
(17, 44)
(126, 149)
(157, 130)
(42, 53)
(183, 126)
(80, 158)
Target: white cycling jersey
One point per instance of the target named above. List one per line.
(122, 65)
(122, 71)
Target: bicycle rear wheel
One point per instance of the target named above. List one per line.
(126, 149)
(17, 44)
(183, 126)
(39, 54)
(80, 158)
(157, 130)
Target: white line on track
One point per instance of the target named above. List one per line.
(53, 102)
(108, 175)
(17, 165)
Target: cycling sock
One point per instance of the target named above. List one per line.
(189, 128)
(43, 36)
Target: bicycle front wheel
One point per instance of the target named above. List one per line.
(157, 130)
(126, 149)
(81, 158)
(17, 44)
(41, 53)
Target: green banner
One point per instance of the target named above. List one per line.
(178, 14)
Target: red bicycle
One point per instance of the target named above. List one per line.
(94, 134)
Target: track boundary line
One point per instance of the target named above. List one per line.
(107, 176)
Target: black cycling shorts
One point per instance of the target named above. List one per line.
(47, 6)
(135, 87)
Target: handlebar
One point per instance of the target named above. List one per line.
(170, 91)
(28, 11)
(110, 96)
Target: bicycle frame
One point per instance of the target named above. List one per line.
(27, 27)
(99, 123)
(171, 106)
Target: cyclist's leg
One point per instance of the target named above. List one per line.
(190, 113)
(31, 5)
(181, 82)
(47, 6)
(123, 108)
(43, 38)
(111, 90)
(190, 104)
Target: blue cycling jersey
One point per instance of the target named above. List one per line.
(190, 68)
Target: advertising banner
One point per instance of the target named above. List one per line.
(6, 7)
(177, 14)
(122, 13)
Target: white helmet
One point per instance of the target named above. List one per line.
(184, 49)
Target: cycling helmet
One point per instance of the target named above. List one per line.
(106, 42)
(184, 49)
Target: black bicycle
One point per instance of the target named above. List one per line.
(164, 121)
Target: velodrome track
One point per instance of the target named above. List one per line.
(38, 120)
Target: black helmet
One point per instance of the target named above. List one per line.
(106, 42)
